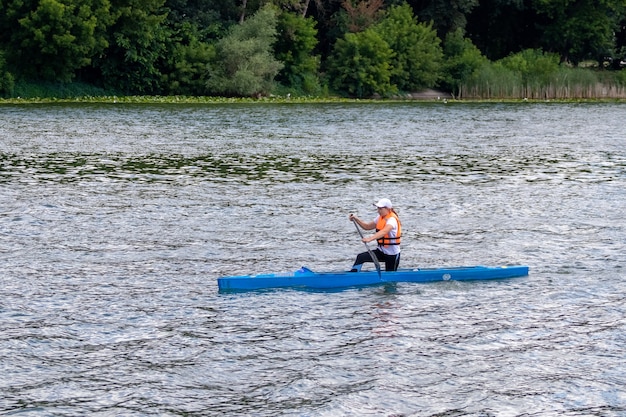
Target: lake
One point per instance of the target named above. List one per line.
(117, 219)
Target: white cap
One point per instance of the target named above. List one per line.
(384, 202)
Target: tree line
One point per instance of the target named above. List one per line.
(356, 48)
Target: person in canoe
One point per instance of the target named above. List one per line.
(388, 236)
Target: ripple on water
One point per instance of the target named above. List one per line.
(116, 220)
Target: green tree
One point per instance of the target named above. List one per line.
(52, 39)
(184, 71)
(245, 64)
(447, 15)
(358, 15)
(579, 29)
(295, 49)
(300, 7)
(330, 23)
(210, 18)
(416, 63)
(360, 65)
(138, 39)
(501, 27)
(7, 81)
(461, 60)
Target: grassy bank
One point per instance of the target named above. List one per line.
(572, 86)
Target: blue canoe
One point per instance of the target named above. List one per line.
(304, 278)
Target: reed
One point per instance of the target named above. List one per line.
(494, 81)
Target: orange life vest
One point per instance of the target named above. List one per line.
(386, 240)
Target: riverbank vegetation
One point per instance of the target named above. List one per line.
(479, 49)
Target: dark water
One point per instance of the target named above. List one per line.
(116, 220)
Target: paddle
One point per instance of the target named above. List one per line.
(374, 258)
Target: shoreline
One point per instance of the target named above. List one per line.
(424, 96)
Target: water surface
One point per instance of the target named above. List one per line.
(116, 220)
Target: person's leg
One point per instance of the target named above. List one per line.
(365, 257)
(361, 258)
(392, 262)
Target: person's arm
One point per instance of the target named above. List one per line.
(364, 225)
(378, 234)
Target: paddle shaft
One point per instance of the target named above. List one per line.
(374, 258)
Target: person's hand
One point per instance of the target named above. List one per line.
(352, 217)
